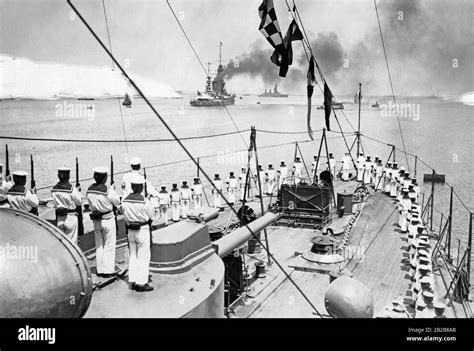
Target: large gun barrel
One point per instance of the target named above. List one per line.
(229, 242)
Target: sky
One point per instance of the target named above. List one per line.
(146, 38)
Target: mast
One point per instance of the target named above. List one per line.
(358, 124)
(220, 54)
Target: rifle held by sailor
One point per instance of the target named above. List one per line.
(33, 183)
(114, 209)
(80, 222)
(7, 164)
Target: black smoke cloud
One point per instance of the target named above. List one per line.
(425, 41)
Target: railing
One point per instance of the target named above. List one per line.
(446, 235)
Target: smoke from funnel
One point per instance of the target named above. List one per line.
(429, 47)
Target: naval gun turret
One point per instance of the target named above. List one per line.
(44, 274)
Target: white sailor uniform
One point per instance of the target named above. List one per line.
(175, 200)
(232, 188)
(185, 200)
(346, 166)
(21, 198)
(270, 180)
(360, 168)
(102, 200)
(137, 212)
(66, 199)
(297, 171)
(151, 190)
(197, 194)
(282, 175)
(164, 200)
(217, 197)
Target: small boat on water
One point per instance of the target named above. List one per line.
(335, 105)
(127, 102)
(376, 105)
(86, 98)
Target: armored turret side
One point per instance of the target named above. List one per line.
(188, 277)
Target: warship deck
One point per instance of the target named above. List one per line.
(381, 266)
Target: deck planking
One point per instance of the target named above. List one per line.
(381, 268)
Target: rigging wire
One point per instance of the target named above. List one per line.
(391, 84)
(307, 42)
(200, 157)
(202, 65)
(189, 153)
(113, 68)
(8, 137)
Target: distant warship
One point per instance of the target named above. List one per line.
(275, 93)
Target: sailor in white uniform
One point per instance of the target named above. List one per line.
(21, 198)
(400, 177)
(346, 166)
(282, 173)
(217, 197)
(367, 170)
(360, 167)
(102, 199)
(416, 188)
(185, 199)
(404, 206)
(315, 171)
(164, 201)
(242, 178)
(175, 201)
(135, 169)
(197, 193)
(261, 181)
(297, 170)
(379, 183)
(271, 177)
(387, 177)
(138, 212)
(66, 198)
(332, 165)
(231, 187)
(5, 185)
(393, 180)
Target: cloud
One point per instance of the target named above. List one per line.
(24, 78)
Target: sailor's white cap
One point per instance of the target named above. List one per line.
(101, 170)
(420, 303)
(424, 260)
(64, 169)
(423, 252)
(134, 161)
(20, 173)
(282, 160)
(428, 294)
(425, 280)
(439, 305)
(424, 267)
(402, 168)
(137, 179)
